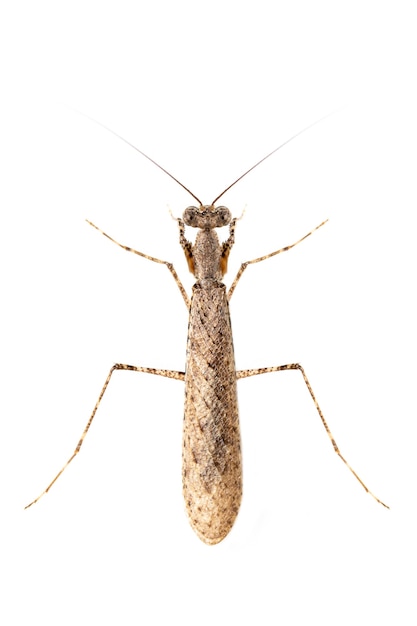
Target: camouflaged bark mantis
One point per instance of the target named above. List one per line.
(212, 464)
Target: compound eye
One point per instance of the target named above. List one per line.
(224, 215)
(190, 216)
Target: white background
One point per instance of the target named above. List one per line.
(207, 89)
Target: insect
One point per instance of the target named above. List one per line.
(212, 464)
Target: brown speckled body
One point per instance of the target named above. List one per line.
(212, 468)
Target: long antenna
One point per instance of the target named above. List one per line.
(179, 182)
(270, 154)
(143, 154)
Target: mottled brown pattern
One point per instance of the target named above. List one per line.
(212, 467)
(212, 470)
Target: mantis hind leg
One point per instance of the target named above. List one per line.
(297, 366)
